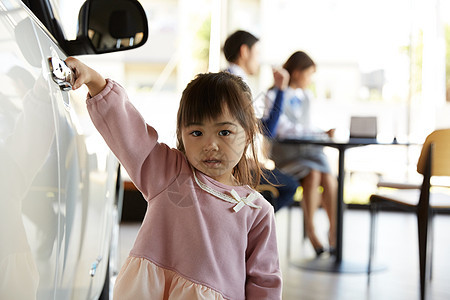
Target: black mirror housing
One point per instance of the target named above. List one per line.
(106, 26)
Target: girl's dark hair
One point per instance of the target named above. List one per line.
(298, 61)
(207, 97)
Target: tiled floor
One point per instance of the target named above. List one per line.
(397, 250)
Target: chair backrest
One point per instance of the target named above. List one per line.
(441, 153)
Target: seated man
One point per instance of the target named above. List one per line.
(241, 50)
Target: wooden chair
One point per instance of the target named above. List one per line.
(269, 192)
(296, 203)
(434, 162)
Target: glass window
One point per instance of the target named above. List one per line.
(446, 24)
(66, 12)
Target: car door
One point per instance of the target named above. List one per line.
(56, 209)
(29, 153)
(59, 205)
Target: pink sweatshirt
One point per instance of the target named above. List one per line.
(187, 230)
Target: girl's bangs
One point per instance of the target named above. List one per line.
(209, 103)
(200, 109)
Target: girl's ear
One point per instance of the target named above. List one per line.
(295, 75)
(248, 141)
(180, 144)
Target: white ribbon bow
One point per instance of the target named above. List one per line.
(241, 202)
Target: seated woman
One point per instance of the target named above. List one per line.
(307, 163)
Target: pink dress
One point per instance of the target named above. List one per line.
(200, 239)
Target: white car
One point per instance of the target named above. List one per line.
(60, 187)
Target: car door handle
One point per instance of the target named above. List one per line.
(61, 73)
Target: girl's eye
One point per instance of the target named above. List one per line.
(196, 133)
(224, 132)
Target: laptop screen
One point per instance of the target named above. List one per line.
(363, 127)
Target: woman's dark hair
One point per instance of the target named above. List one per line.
(299, 61)
(210, 95)
(233, 43)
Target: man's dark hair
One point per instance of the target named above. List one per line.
(234, 42)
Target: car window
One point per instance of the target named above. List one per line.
(66, 13)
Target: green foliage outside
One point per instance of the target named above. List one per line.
(202, 43)
(447, 60)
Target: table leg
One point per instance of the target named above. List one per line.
(340, 205)
(335, 264)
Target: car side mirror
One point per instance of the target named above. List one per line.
(106, 26)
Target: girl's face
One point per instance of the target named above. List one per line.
(214, 147)
(302, 79)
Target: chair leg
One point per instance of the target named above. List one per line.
(431, 241)
(373, 224)
(425, 237)
(288, 242)
(305, 234)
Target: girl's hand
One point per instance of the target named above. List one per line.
(331, 132)
(85, 75)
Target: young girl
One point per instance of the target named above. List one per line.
(206, 234)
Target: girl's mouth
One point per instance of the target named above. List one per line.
(212, 162)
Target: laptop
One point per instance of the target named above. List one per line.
(363, 127)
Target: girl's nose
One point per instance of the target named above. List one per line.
(210, 145)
